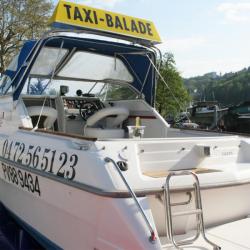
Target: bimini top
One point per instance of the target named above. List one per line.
(68, 15)
(69, 56)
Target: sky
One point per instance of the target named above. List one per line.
(203, 35)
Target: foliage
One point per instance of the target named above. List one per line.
(228, 89)
(38, 87)
(117, 92)
(20, 20)
(172, 99)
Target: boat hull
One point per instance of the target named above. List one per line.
(69, 218)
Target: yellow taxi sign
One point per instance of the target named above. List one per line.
(71, 15)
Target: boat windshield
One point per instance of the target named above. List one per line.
(5, 80)
(79, 65)
(104, 91)
(81, 73)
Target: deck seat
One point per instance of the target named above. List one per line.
(49, 113)
(112, 129)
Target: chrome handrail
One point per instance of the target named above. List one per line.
(152, 237)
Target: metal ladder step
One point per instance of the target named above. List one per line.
(190, 212)
(196, 211)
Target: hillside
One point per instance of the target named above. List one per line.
(228, 89)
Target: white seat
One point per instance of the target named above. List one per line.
(111, 131)
(50, 113)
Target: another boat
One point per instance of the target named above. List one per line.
(88, 163)
(207, 114)
(237, 119)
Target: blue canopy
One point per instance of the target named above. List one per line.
(134, 57)
(24, 52)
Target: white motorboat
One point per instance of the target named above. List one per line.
(79, 171)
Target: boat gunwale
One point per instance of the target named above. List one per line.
(57, 133)
(117, 194)
(222, 133)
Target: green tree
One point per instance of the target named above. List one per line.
(171, 95)
(20, 20)
(228, 89)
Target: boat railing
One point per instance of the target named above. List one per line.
(152, 236)
(198, 211)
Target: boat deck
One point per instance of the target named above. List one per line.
(230, 236)
(165, 173)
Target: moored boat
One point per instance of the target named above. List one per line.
(88, 163)
(208, 114)
(237, 119)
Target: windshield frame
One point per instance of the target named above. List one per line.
(129, 50)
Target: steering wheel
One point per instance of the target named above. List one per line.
(87, 109)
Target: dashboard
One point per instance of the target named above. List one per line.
(85, 106)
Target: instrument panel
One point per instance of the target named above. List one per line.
(86, 106)
(77, 102)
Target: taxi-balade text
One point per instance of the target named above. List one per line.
(111, 21)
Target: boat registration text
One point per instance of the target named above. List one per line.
(61, 164)
(21, 179)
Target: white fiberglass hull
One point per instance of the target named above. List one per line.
(70, 218)
(93, 210)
